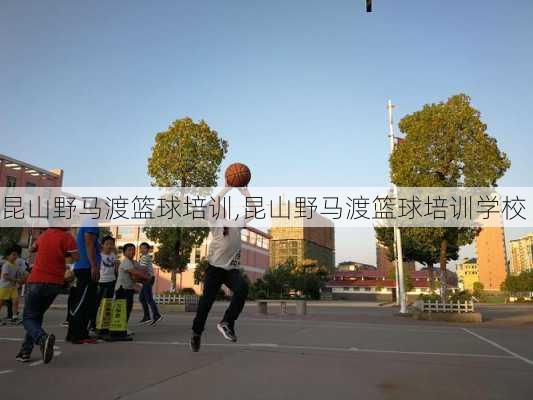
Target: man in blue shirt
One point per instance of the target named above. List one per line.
(82, 305)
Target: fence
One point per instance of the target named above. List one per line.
(518, 296)
(176, 299)
(435, 306)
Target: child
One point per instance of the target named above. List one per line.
(146, 296)
(9, 281)
(108, 276)
(128, 274)
(44, 284)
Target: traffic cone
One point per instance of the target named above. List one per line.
(118, 329)
(103, 318)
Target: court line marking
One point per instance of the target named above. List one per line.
(499, 346)
(39, 362)
(6, 371)
(430, 353)
(511, 355)
(12, 339)
(329, 324)
(319, 348)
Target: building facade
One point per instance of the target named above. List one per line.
(16, 173)
(300, 241)
(21, 174)
(467, 274)
(521, 254)
(491, 258)
(254, 256)
(368, 285)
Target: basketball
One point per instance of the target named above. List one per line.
(238, 175)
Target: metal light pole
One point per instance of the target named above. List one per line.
(400, 284)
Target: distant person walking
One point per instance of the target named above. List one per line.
(146, 296)
(42, 287)
(82, 305)
(22, 274)
(9, 281)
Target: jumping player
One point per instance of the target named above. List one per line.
(224, 268)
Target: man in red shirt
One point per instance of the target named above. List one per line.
(42, 287)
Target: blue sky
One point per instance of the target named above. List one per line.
(298, 88)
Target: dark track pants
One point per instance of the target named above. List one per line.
(214, 278)
(82, 306)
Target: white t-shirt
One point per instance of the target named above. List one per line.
(11, 271)
(107, 268)
(124, 279)
(225, 251)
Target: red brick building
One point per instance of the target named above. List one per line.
(19, 173)
(16, 173)
(368, 285)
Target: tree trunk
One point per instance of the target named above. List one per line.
(431, 277)
(442, 262)
(181, 280)
(173, 280)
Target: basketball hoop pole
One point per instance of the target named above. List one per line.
(400, 283)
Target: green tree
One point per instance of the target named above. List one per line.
(187, 154)
(419, 245)
(407, 279)
(447, 145)
(199, 272)
(518, 283)
(279, 280)
(9, 237)
(309, 278)
(477, 289)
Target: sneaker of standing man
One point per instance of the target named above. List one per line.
(42, 287)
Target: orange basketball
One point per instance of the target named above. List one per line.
(238, 175)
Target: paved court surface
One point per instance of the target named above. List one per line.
(361, 352)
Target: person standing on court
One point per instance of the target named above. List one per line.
(146, 296)
(224, 268)
(82, 305)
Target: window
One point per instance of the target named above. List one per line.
(259, 242)
(11, 181)
(265, 243)
(253, 237)
(244, 235)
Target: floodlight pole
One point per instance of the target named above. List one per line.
(400, 283)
